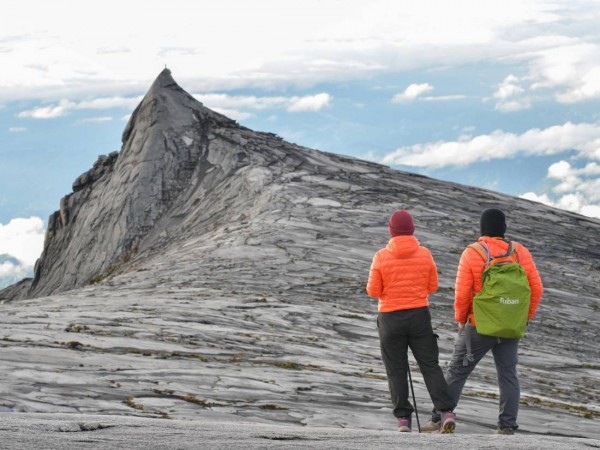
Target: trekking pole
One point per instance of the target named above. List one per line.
(413, 396)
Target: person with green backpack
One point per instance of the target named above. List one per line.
(497, 292)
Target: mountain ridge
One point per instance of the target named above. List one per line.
(170, 143)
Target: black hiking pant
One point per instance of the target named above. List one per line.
(399, 330)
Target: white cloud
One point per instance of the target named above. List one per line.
(411, 93)
(416, 91)
(12, 271)
(510, 96)
(309, 102)
(110, 102)
(584, 180)
(237, 102)
(444, 98)
(48, 112)
(584, 138)
(17, 130)
(21, 243)
(316, 41)
(591, 211)
(570, 69)
(95, 119)
(513, 105)
(578, 189)
(65, 106)
(233, 113)
(508, 88)
(102, 50)
(543, 198)
(587, 88)
(559, 170)
(23, 239)
(570, 202)
(236, 106)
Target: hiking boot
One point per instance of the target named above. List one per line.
(448, 422)
(431, 427)
(507, 431)
(404, 424)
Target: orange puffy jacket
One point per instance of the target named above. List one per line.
(470, 271)
(402, 275)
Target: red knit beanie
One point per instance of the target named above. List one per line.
(401, 224)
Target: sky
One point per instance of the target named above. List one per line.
(499, 95)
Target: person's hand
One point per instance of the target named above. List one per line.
(461, 326)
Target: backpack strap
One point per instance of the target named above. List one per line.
(468, 358)
(482, 250)
(514, 251)
(510, 252)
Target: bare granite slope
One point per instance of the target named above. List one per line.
(228, 271)
(82, 431)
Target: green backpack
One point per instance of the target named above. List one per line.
(501, 308)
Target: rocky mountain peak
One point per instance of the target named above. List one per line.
(115, 204)
(163, 80)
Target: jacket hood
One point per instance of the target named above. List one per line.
(402, 246)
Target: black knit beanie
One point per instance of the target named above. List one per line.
(492, 223)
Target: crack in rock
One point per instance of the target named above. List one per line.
(286, 438)
(78, 427)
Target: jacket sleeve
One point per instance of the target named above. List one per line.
(533, 276)
(433, 275)
(375, 283)
(463, 288)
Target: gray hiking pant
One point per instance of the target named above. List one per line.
(399, 330)
(505, 359)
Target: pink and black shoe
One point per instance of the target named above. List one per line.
(404, 424)
(448, 422)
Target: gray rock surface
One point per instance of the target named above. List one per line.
(60, 431)
(229, 271)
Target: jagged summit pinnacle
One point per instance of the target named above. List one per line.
(165, 77)
(165, 81)
(166, 145)
(166, 84)
(169, 103)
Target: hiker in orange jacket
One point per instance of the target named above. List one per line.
(402, 276)
(504, 350)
